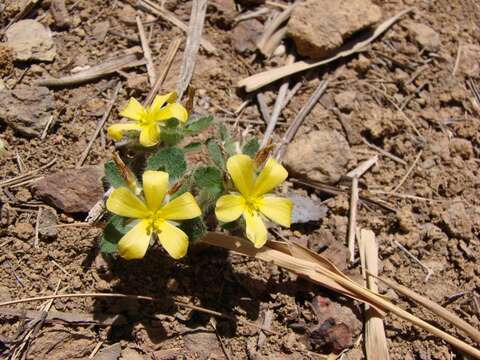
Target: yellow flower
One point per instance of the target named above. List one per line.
(146, 120)
(252, 201)
(154, 216)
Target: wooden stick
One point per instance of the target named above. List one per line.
(262, 106)
(277, 109)
(22, 177)
(131, 59)
(147, 53)
(297, 122)
(259, 80)
(195, 28)
(153, 8)
(363, 167)
(352, 224)
(165, 68)
(100, 125)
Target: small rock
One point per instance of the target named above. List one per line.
(60, 13)
(457, 221)
(72, 191)
(319, 156)
(425, 36)
(6, 60)
(109, 353)
(345, 100)
(337, 326)
(30, 40)
(469, 64)
(23, 195)
(203, 344)
(131, 354)
(305, 209)
(245, 35)
(461, 147)
(100, 30)
(318, 27)
(26, 109)
(137, 82)
(325, 243)
(406, 221)
(47, 224)
(24, 231)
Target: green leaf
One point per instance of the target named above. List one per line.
(216, 153)
(116, 227)
(194, 228)
(199, 125)
(209, 179)
(251, 147)
(113, 175)
(170, 160)
(171, 136)
(223, 133)
(192, 147)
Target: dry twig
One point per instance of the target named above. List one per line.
(147, 53)
(153, 8)
(99, 126)
(110, 66)
(195, 27)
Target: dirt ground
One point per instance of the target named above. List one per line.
(437, 208)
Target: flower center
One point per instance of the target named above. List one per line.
(155, 221)
(253, 204)
(147, 117)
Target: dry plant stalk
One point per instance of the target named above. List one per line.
(319, 270)
(274, 33)
(435, 308)
(375, 340)
(257, 81)
(131, 58)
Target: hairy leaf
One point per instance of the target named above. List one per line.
(170, 160)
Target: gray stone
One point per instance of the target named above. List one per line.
(318, 27)
(47, 224)
(319, 156)
(306, 209)
(26, 109)
(30, 40)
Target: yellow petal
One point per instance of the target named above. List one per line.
(241, 167)
(150, 135)
(134, 244)
(155, 186)
(255, 228)
(181, 208)
(277, 209)
(272, 175)
(116, 131)
(134, 110)
(173, 240)
(175, 111)
(160, 100)
(229, 207)
(123, 202)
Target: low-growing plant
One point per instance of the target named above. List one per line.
(177, 201)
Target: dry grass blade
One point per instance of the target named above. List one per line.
(259, 80)
(153, 8)
(130, 59)
(293, 257)
(273, 34)
(147, 52)
(435, 308)
(375, 341)
(195, 27)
